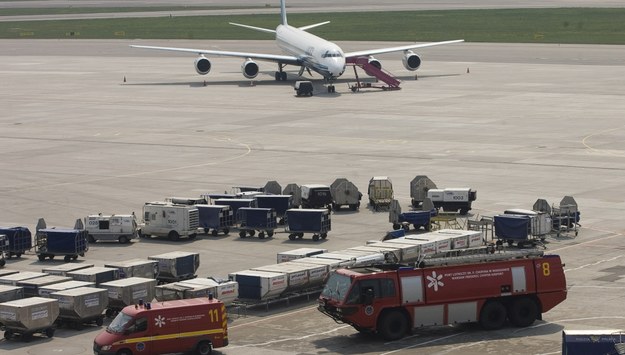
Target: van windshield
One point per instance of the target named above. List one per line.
(119, 323)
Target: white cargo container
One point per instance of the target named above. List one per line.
(330, 264)
(81, 305)
(136, 268)
(45, 291)
(14, 278)
(163, 219)
(120, 228)
(96, 274)
(32, 286)
(442, 243)
(11, 293)
(460, 239)
(298, 253)
(260, 285)
(299, 276)
(395, 251)
(63, 269)
(226, 291)
(181, 290)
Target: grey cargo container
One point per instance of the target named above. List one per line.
(45, 291)
(81, 305)
(32, 286)
(125, 292)
(176, 265)
(181, 290)
(63, 269)
(28, 316)
(13, 279)
(95, 274)
(136, 268)
(11, 293)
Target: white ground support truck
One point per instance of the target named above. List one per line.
(163, 219)
(453, 199)
(121, 228)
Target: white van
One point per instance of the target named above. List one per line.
(121, 228)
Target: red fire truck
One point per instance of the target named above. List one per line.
(487, 288)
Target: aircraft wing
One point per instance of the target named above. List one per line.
(285, 59)
(398, 49)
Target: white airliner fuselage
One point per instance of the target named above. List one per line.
(305, 50)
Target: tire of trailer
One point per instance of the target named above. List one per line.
(226, 231)
(173, 236)
(214, 232)
(270, 234)
(523, 312)
(242, 234)
(393, 325)
(396, 226)
(192, 236)
(492, 315)
(41, 257)
(204, 348)
(315, 237)
(8, 334)
(99, 322)
(261, 235)
(292, 236)
(463, 211)
(67, 258)
(324, 235)
(252, 232)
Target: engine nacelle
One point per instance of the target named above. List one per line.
(202, 65)
(249, 68)
(374, 62)
(411, 61)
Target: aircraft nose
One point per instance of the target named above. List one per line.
(338, 67)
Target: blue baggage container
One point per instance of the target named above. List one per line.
(417, 218)
(256, 219)
(280, 203)
(235, 204)
(20, 240)
(511, 227)
(215, 217)
(300, 221)
(70, 243)
(583, 342)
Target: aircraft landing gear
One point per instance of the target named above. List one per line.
(331, 89)
(280, 75)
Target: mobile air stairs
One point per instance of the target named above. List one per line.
(392, 83)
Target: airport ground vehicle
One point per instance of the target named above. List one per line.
(380, 192)
(300, 221)
(280, 204)
(253, 219)
(163, 219)
(24, 317)
(121, 228)
(20, 240)
(453, 199)
(345, 193)
(195, 324)
(51, 242)
(303, 88)
(215, 218)
(316, 196)
(484, 288)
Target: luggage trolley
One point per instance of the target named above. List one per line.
(253, 219)
(300, 221)
(20, 240)
(215, 218)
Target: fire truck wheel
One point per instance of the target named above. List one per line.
(393, 325)
(523, 312)
(493, 315)
(204, 348)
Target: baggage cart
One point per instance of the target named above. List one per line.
(45, 291)
(4, 249)
(253, 219)
(81, 305)
(215, 218)
(25, 317)
(227, 291)
(126, 292)
(69, 243)
(419, 187)
(300, 221)
(280, 204)
(380, 192)
(272, 187)
(136, 268)
(514, 228)
(11, 293)
(96, 274)
(20, 240)
(176, 266)
(32, 286)
(259, 285)
(235, 204)
(403, 220)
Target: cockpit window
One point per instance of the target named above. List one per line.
(332, 54)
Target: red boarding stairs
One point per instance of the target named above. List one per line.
(363, 62)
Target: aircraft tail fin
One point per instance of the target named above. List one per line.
(266, 30)
(283, 12)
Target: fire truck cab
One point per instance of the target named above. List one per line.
(392, 299)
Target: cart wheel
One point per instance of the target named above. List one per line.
(396, 226)
(261, 235)
(2, 262)
(192, 236)
(406, 227)
(281, 221)
(252, 232)
(292, 236)
(300, 235)
(18, 255)
(67, 258)
(26, 337)
(315, 237)
(214, 232)
(41, 257)
(242, 234)
(206, 230)
(109, 313)
(226, 231)
(50, 332)
(270, 234)
(99, 322)
(324, 235)
(8, 334)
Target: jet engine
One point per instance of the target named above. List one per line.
(202, 65)
(411, 61)
(249, 68)
(374, 62)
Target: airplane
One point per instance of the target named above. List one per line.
(302, 49)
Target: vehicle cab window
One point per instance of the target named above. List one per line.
(141, 325)
(378, 288)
